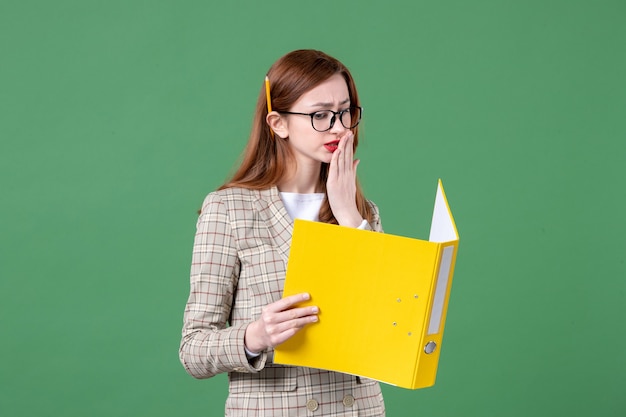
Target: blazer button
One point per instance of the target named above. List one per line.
(312, 405)
(348, 400)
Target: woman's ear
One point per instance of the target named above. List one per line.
(277, 123)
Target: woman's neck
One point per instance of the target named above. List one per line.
(302, 179)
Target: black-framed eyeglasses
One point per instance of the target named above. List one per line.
(324, 120)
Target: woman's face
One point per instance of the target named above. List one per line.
(308, 145)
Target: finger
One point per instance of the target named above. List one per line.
(281, 322)
(350, 141)
(288, 302)
(277, 322)
(284, 331)
(346, 150)
(349, 152)
(334, 162)
(294, 314)
(340, 155)
(346, 134)
(355, 164)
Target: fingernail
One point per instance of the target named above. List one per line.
(305, 296)
(314, 310)
(314, 318)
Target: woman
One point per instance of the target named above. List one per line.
(298, 164)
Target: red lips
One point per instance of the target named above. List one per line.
(332, 146)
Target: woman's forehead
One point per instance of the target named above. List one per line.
(333, 91)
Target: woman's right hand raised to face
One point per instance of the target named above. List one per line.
(341, 184)
(278, 322)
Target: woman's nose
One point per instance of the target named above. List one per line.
(337, 127)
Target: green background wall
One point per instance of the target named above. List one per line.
(117, 117)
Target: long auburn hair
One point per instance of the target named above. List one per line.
(267, 156)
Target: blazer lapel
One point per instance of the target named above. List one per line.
(276, 217)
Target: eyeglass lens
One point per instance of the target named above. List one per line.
(324, 120)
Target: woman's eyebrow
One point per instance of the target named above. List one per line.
(325, 105)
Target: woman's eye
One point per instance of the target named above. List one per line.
(320, 115)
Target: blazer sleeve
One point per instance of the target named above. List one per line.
(374, 225)
(208, 346)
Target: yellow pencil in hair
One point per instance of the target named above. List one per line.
(267, 94)
(269, 99)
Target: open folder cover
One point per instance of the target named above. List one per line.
(382, 299)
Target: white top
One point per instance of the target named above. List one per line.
(303, 206)
(306, 206)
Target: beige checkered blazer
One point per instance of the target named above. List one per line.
(238, 266)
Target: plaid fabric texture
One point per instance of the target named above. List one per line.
(238, 266)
